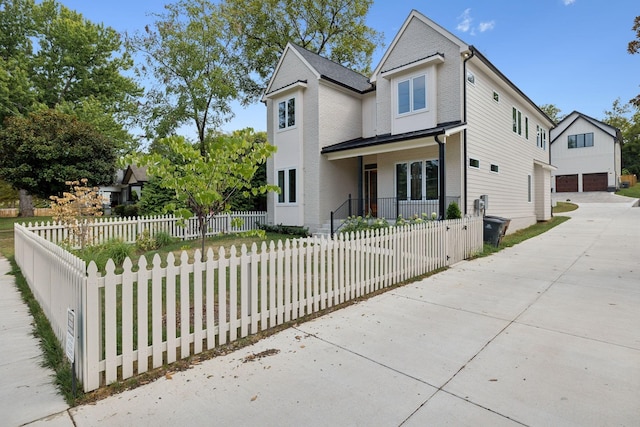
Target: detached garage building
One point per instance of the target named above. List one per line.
(587, 153)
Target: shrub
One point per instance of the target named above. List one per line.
(131, 210)
(358, 223)
(117, 250)
(119, 210)
(145, 242)
(163, 238)
(293, 230)
(453, 211)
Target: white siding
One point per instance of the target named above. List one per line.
(491, 140)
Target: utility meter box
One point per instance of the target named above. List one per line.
(485, 199)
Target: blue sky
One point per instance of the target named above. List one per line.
(571, 53)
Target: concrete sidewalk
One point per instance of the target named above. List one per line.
(544, 333)
(27, 392)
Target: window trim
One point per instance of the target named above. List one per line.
(287, 116)
(496, 97)
(584, 140)
(471, 159)
(284, 196)
(496, 166)
(516, 117)
(424, 188)
(410, 79)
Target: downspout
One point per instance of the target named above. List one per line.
(442, 178)
(464, 120)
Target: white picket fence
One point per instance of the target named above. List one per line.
(102, 229)
(142, 316)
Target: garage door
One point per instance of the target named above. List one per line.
(566, 183)
(594, 181)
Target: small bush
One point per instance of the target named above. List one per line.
(117, 250)
(293, 230)
(119, 210)
(453, 211)
(131, 211)
(358, 223)
(145, 242)
(163, 238)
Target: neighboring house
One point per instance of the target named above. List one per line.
(587, 153)
(135, 177)
(436, 122)
(126, 182)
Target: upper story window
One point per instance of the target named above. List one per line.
(412, 94)
(517, 121)
(541, 138)
(287, 113)
(496, 96)
(581, 140)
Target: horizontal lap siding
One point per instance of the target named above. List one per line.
(491, 140)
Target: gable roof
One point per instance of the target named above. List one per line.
(325, 69)
(139, 174)
(574, 116)
(415, 14)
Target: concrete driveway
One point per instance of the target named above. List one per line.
(544, 333)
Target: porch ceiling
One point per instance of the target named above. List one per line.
(388, 143)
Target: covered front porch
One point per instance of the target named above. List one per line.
(407, 175)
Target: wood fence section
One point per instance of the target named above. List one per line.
(139, 317)
(169, 311)
(103, 229)
(57, 280)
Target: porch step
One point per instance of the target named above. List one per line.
(325, 231)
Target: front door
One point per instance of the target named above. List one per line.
(371, 190)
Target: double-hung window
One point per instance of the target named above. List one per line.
(412, 94)
(541, 139)
(287, 185)
(417, 180)
(287, 113)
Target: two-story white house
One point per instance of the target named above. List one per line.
(435, 123)
(587, 153)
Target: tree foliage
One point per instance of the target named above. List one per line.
(335, 29)
(626, 117)
(46, 148)
(633, 48)
(196, 72)
(50, 57)
(77, 209)
(207, 183)
(553, 112)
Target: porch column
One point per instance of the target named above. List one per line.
(360, 185)
(442, 180)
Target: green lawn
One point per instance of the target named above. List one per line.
(564, 207)
(6, 232)
(630, 192)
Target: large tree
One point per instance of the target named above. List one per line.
(335, 29)
(194, 71)
(206, 184)
(633, 48)
(44, 149)
(626, 117)
(53, 57)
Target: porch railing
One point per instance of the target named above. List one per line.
(389, 208)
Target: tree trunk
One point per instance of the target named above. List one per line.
(26, 204)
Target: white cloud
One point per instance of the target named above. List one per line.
(568, 2)
(486, 26)
(465, 21)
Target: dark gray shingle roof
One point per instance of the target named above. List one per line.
(335, 72)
